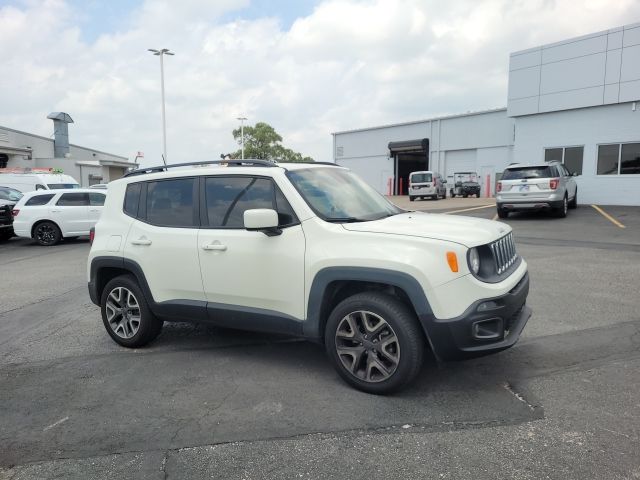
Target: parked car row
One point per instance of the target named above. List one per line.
(547, 186)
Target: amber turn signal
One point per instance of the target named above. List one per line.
(452, 260)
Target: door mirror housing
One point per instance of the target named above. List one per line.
(263, 220)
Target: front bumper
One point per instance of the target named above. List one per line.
(487, 326)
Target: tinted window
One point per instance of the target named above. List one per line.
(420, 178)
(170, 203)
(131, 199)
(38, 200)
(96, 199)
(527, 172)
(228, 198)
(59, 186)
(73, 200)
(608, 159)
(573, 159)
(630, 159)
(553, 154)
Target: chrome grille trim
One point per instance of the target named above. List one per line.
(504, 253)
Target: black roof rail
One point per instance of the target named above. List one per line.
(234, 162)
(284, 164)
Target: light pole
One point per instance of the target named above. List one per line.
(162, 53)
(242, 120)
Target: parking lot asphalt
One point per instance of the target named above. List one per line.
(208, 402)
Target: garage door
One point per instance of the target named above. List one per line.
(460, 161)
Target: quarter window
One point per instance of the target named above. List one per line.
(131, 199)
(73, 200)
(170, 203)
(96, 199)
(227, 198)
(38, 200)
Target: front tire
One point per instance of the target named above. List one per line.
(574, 203)
(47, 234)
(411, 199)
(374, 342)
(126, 314)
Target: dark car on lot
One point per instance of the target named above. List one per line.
(8, 198)
(465, 185)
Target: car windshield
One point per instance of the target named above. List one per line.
(59, 186)
(339, 195)
(10, 194)
(420, 178)
(526, 172)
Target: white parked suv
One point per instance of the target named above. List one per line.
(49, 216)
(309, 250)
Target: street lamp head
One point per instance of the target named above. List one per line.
(164, 51)
(242, 119)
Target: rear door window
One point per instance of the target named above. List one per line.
(521, 173)
(73, 200)
(170, 203)
(97, 199)
(39, 200)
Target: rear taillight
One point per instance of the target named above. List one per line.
(553, 183)
(15, 212)
(499, 187)
(92, 235)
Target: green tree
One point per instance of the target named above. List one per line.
(262, 142)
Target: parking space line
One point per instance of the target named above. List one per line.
(469, 209)
(608, 217)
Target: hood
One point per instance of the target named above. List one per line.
(467, 231)
(11, 203)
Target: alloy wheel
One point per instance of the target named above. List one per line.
(123, 312)
(46, 234)
(367, 346)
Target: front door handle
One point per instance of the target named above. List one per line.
(214, 246)
(141, 241)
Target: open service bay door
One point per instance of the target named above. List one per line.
(410, 156)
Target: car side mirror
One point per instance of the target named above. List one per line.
(263, 220)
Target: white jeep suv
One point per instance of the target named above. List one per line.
(308, 250)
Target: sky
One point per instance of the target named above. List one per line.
(306, 67)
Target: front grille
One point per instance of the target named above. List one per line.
(504, 253)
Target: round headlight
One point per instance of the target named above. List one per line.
(474, 260)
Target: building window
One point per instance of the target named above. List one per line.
(570, 156)
(630, 159)
(619, 159)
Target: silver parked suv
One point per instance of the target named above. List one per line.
(546, 186)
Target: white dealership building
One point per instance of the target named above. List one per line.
(577, 101)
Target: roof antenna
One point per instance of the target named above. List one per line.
(164, 160)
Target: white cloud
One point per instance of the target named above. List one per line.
(348, 64)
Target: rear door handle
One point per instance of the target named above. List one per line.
(141, 241)
(214, 246)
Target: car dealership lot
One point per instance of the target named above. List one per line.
(202, 401)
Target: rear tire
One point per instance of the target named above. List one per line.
(374, 342)
(502, 213)
(47, 234)
(562, 211)
(126, 314)
(574, 203)
(411, 199)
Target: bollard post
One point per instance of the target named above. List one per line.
(488, 186)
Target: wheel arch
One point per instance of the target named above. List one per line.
(333, 284)
(43, 220)
(104, 269)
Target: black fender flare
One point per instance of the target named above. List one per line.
(314, 324)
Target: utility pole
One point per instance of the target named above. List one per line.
(161, 53)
